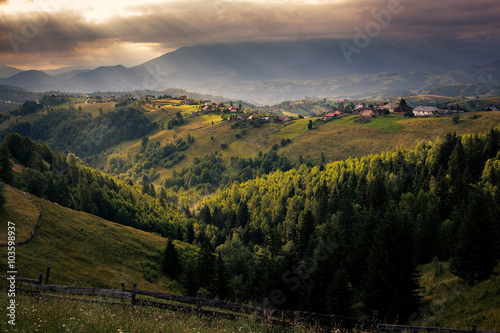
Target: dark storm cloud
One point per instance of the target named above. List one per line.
(176, 24)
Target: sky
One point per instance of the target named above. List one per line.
(49, 34)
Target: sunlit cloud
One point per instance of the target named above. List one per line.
(80, 31)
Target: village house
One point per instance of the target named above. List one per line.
(233, 109)
(367, 114)
(391, 106)
(283, 119)
(491, 108)
(425, 111)
(359, 107)
(332, 115)
(242, 116)
(254, 116)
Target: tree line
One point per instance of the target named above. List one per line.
(65, 180)
(78, 132)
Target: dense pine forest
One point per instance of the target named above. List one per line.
(322, 238)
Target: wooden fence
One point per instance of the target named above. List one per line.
(209, 307)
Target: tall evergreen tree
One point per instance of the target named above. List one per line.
(338, 294)
(242, 216)
(220, 282)
(390, 286)
(190, 279)
(3, 199)
(5, 164)
(306, 230)
(171, 264)
(475, 253)
(205, 263)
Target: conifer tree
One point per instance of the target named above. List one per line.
(205, 263)
(220, 283)
(475, 253)
(306, 230)
(3, 199)
(171, 264)
(390, 286)
(191, 279)
(338, 295)
(5, 164)
(242, 216)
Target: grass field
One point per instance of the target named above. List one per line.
(81, 249)
(448, 301)
(343, 138)
(55, 316)
(21, 210)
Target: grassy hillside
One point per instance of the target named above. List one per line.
(81, 249)
(20, 209)
(337, 139)
(344, 138)
(447, 301)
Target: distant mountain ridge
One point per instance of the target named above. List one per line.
(267, 72)
(7, 71)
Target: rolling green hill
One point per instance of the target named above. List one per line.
(337, 139)
(80, 248)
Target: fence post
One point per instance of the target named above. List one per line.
(40, 278)
(47, 275)
(265, 303)
(123, 289)
(134, 293)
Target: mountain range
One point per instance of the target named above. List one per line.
(267, 72)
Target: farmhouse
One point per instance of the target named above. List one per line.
(242, 116)
(233, 109)
(391, 106)
(367, 114)
(491, 108)
(332, 115)
(425, 111)
(283, 119)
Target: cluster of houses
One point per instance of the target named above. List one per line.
(408, 111)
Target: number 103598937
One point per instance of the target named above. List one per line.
(11, 237)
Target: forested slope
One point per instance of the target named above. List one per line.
(342, 237)
(359, 227)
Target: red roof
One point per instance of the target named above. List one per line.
(331, 114)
